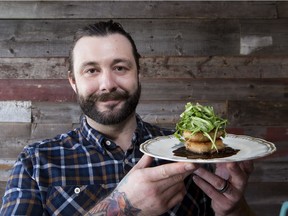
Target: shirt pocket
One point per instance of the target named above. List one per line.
(73, 199)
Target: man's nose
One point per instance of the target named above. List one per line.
(107, 82)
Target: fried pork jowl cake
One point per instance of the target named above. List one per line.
(201, 131)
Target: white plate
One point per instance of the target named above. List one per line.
(250, 148)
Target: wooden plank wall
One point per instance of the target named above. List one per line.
(231, 55)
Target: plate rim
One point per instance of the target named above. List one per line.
(271, 148)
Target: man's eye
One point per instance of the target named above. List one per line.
(91, 71)
(120, 69)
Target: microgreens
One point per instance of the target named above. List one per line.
(198, 118)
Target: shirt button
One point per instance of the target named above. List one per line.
(126, 161)
(108, 143)
(77, 190)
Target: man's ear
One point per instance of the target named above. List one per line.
(72, 81)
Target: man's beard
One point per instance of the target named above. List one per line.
(111, 116)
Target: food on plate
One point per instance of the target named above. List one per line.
(200, 129)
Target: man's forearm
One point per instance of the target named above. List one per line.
(115, 204)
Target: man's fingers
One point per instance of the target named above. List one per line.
(238, 175)
(174, 194)
(247, 166)
(144, 162)
(167, 170)
(164, 171)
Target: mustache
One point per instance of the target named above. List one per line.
(116, 95)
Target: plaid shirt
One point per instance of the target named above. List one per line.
(69, 174)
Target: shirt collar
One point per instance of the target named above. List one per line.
(97, 139)
(93, 137)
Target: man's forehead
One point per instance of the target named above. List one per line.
(98, 48)
(115, 38)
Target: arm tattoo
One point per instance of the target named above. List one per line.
(116, 204)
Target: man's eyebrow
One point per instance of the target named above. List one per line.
(89, 63)
(121, 60)
(115, 61)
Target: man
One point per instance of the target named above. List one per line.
(98, 169)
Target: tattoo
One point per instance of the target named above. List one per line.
(116, 204)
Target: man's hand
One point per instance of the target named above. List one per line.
(230, 200)
(149, 190)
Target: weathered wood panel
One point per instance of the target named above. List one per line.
(2, 190)
(43, 131)
(36, 90)
(10, 147)
(247, 113)
(281, 155)
(15, 111)
(270, 172)
(266, 198)
(260, 31)
(33, 68)
(52, 113)
(15, 130)
(282, 7)
(126, 9)
(177, 89)
(215, 67)
(48, 38)
(205, 89)
(274, 133)
(5, 168)
(159, 67)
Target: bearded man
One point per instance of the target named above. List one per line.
(98, 169)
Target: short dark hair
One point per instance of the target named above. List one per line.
(102, 29)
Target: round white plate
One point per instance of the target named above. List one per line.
(250, 148)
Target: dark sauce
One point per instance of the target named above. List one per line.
(225, 152)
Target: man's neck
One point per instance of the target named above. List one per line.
(120, 133)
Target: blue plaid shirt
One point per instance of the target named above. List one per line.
(69, 174)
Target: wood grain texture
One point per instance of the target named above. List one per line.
(177, 89)
(49, 38)
(33, 68)
(159, 67)
(15, 111)
(126, 9)
(215, 67)
(154, 37)
(266, 198)
(267, 28)
(44, 131)
(14, 130)
(282, 9)
(247, 113)
(36, 90)
(2, 190)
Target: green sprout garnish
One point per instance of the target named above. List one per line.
(198, 118)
